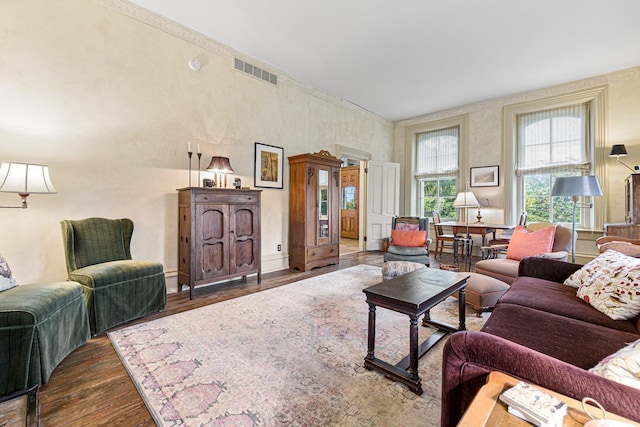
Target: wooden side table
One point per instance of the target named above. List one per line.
(487, 410)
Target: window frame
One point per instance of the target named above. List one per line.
(412, 184)
(596, 98)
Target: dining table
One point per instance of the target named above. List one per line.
(460, 228)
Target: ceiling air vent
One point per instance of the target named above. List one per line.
(254, 71)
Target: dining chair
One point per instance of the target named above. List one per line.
(441, 237)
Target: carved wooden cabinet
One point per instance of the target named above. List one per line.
(314, 210)
(219, 235)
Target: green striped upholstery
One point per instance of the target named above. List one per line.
(117, 289)
(40, 324)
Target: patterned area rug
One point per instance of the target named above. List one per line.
(288, 356)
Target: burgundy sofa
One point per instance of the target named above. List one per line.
(540, 332)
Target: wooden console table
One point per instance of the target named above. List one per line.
(487, 410)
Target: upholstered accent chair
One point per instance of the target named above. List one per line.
(405, 247)
(117, 289)
(506, 269)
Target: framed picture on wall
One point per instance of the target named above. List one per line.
(486, 176)
(268, 167)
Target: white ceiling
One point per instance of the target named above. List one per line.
(404, 58)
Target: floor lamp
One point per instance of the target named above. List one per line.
(576, 186)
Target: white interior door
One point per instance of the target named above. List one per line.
(383, 201)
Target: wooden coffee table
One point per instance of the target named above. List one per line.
(413, 294)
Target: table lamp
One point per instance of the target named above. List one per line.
(465, 200)
(576, 186)
(221, 166)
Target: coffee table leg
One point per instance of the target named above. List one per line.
(371, 337)
(413, 349)
(461, 310)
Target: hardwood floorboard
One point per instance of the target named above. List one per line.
(91, 387)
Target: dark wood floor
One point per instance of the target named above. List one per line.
(92, 388)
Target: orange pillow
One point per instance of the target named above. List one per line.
(525, 243)
(408, 238)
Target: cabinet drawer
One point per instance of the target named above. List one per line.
(320, 252)
(236, 198)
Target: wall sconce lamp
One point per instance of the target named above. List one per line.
(619, 150)
(576, 186)
(221, 167)
(25, 179)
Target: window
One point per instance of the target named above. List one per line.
(562, 135)
(551, 143)
(437, 171)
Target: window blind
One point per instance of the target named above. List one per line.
(554, 140)
(437, 153)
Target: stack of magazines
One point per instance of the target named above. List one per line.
(532, 405)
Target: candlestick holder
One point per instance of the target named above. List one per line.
(199, 156)
(190, 153)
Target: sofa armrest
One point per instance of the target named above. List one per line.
(560, 255)
(547, 269)
(469, 356)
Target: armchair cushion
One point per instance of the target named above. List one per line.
(525, 243)
(114, 273)
(408, 238)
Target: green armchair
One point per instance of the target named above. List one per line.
(117, 289)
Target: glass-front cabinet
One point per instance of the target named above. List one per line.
(314, 210)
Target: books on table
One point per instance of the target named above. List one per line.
(534, 406)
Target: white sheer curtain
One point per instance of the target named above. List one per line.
(554, 140)
(437, 153)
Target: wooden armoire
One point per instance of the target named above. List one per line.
(219, 235)
(314, 210)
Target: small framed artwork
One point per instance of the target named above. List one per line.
(486, 176)
(269, 162)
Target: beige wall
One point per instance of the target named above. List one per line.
(486, 145)
(108, 102)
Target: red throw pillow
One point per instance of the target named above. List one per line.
(525, 243)
(408, 238)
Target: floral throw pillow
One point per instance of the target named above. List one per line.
(623, 366)
(611, 284)
(6, 279)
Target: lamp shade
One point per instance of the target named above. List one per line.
(220, 165)
(618, 150)
(466, 199)
(577, 186)
(25, 178)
